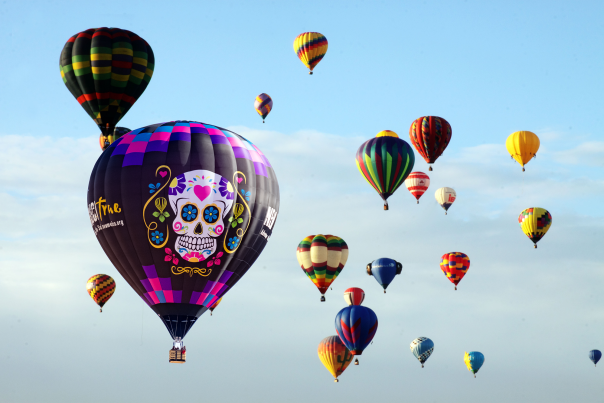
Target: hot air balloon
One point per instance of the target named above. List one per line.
(105, 141)
(100, 287)
(455, 265)
(422, 349)
(322, 257)
(535, 222)
(263, 105)
(430, 135)
(474, 361)
(594, 356)
(214, 305)
(354, 296)
(106, 70)
(310, 48)
(356, 325)
(182, 209)
(522, 146)
(334, 355)
(417, 183)
(445, 197)
(384, 270)
(385, 161)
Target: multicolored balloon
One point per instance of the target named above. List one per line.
(322, 257)
(383, 270)
(106, 70)
(535, 222)
(100, 287)
(455, 265)
(522, 146)
(263, 105)
(422, 349)
(417, 183)
(356, 326)
(430, 135)
(594, 356)
(445, 197)
(385, 161)
(105, 141)
(183, 210)
(214, 305)
(334, 355)
(310, 47)
(474, 361)
(354, 296)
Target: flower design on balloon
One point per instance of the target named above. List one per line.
(215, 260)
(233, 242)
(226, 189)
(157, 237)
(170, 256)
(211, 214)
(177, 185)
(189, 212)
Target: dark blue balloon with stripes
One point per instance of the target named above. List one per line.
(595, 355)
(356, 325)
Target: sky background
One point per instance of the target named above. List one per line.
(488, 68)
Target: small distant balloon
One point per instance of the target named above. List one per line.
(417, 183)
(474, 361)
(263, 105)
(105, 141)
(310, 47)
(213, 306)
(383, 270)
(354, 296)
(422, 349)
(594, 356)
(100, 287)
(523, 146)
(445, 197)
(334, 355)
(535, 222)
(455, 265)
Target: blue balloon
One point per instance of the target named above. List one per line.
(474, 361)
(356, 325)
(384, 270)
(422, 349)
(595, 355)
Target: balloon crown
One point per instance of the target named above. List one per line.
(386, 133)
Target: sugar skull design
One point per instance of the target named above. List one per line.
(200, 200)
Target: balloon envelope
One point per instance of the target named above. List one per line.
(430, 135)
(106, 70)
(535, 222)
(354, 296)
(385, 161)
(310, 47)
(422, 349)
(334, 355)
(455, 265)
(595, 355)
(356, 326)
(474, 361)
(417, 183)
(445, 197)
(100, 287)
(522, 146)
(263, 105)
(383, 270)
(182, 209)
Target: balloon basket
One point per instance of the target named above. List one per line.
(336, 380)
(101, 310)
(322, 298)
(310, 73)
(385, 205)
(418, 202)
(178, 356)
(430, 169)
(535, 246)
(422, 365)
(356, 361)
(384, 291)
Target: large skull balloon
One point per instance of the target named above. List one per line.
(200, 200)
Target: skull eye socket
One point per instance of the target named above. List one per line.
(211, 214)
(189, 212)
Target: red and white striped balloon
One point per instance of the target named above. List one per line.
(417, 183)
(354, 296)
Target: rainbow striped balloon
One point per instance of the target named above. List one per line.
(263, 105)
(310, 48)
(385, 161)
(100, 287)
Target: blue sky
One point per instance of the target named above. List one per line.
(489, 69)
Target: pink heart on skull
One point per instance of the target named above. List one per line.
(202, 192)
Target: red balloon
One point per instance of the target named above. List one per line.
(430, 136)
(354, 296)
(455, 265)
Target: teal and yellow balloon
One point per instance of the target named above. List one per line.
(474, 361)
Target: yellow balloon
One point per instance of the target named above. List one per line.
(535, 222)
(522, 146)
(334, 355)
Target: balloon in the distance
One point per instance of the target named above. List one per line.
(354, 296)
(535, 222)
(214, 305)
(334, 355)
(445, 197)
(383, 270)
(522, 146)
(105, 141)
(106, 70)
(100, 287)
(417, 183)
(322, 258)
(310, 47)
(263, 105)
(182, 209)
(455, 265)
(356, 325)
(385, 161)
(474, 361)
(422, 349)
(430, 135)
(594, 356)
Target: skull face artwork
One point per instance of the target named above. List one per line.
(200, 200)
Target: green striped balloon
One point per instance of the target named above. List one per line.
(385, 161)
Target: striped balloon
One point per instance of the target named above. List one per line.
(385, 161)
(334, 355)
(356, 325)
(106, 70)
(535, 222)
(354, 296)
(310, 48)
(322, 257)
(263, 105)
(100, 287)
(417, 183)
(455, 265)
(105, 141)
(430, 136)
